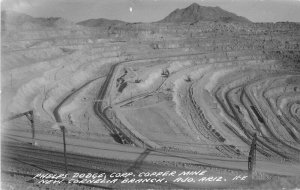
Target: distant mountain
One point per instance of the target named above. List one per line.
(14, 17)
(195, 12)
(15, 20)
(100, 22)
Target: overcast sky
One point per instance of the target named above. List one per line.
(152, 10)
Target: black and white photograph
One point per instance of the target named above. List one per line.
(150, 94)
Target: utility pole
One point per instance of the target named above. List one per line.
(65, 148)
(252, 158)
(30, 117)
(88, 122)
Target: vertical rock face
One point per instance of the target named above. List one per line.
(195, 12)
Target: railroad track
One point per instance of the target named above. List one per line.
(28, 150)
(27, 160)
(225, 149)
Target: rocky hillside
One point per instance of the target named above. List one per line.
(15, 20)
(195, 13)
(99, 22)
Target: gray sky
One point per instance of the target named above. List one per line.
(152, 10)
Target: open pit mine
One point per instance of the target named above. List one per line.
(191, 92)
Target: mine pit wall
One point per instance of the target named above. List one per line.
(212, 130)
(259, 110)
(255, 62)
(274, 126)
(274, 47)
(259, 42)
(126, 133)
(106, 55)
(53, 34)
(261, 104)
